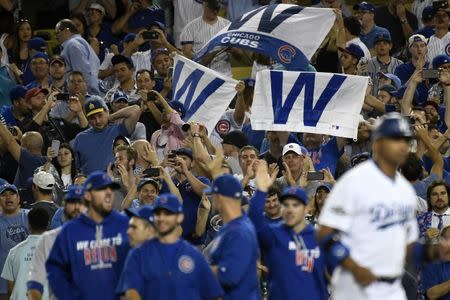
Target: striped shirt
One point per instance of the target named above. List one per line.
(374, 66)
(184, 12)
(438, 46)
(198, 33)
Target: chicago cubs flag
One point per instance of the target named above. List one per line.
(288, 33)
(204, 93)
(323, 103)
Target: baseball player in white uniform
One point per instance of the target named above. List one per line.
(368, 224)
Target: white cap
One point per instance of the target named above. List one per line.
(44, 180)
(416, 38)
(97, 7)
(296, 148)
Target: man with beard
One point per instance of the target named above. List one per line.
(291, 250)
(151, 269)
(92, 248)
(57, 71)
(37, 277)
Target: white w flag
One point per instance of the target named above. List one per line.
(204, 93)
(323, 103)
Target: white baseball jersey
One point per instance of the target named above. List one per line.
(376, 216)
(438, 46)
(184, 12)
(225, 125)
(37, 271)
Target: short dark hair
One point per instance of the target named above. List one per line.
(352, 25)
(38, 219)
(248, 147)
(431, 187)
(152, 76)
(412, 167)
(274, 190)
(74, 73)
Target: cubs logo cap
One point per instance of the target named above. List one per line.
(144, 212)
(294, 192)
(226, 185)
(74, 193)
(8, 187)
(98, 180)
(169, 202)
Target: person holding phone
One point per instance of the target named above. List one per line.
(124, 72)
(162, 63)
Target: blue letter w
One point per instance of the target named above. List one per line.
(311, 115)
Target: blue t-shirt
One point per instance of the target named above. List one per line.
(27, 164)
(434, 274)
(93, 149)
(404, 72)
(146, 16)
(186, 275)
(326, 156)
(368, 39)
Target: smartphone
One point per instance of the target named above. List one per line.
(313, 176)
(63, 97)
(151, 96)
(430, 74)
(151, 172)
(12, 130)
(170, 72)
(443, 4)
(150, 35)
(55, 146)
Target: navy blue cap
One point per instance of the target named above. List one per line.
(397, 83)
(74, 193)
(364, 6)
(428, 13)
(8, 187)
(148, 180)
(40, 55)
(178, 106)
(17, 92)
(37, 43)
(185, 151)
(392, 126)
(401, 92)
(3, 182)
(439, 60)
(118, 95)
(98, 180)
(353, 50)
(144, 212)
(249, 82)
(159, 24)
(226, 185)
(388, 89)
(169, 202)
(92, 107)
(383, 35)
(324, 186)
(358, 158)
(129, 37)
(294, 192)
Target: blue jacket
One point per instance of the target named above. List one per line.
(306, 272)
(87, 258)
(186, 275)
(235, 252)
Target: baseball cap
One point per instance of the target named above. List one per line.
(185, 151)
(74, 193)
(147, 180)
(119, 95)
(119, 58)
(439, 60)
(236, 138)
(358, 158)
(57, 58)
(296, 148)
(40, 55)
(178, 106)
(98, 180)
(395, 80)
(8, 187)
(97, 6)
(294, 192)
(416, 38)
(159, 24)
(353, 50)
(144, 212)
(129, 37)
(122, 137)
(226, 185)
(392, 125)
(383, 35)
(169, 202)
(37, 43)
(249, 82)
(34, 92)
(44, 180)
(158, 51)
(399, 93)
(364, 6)
(92, 107)
(388, 88)
(428, 13)
(324, 186)
(17, 92)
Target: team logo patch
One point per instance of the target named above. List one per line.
(186, 264)
(447, 49)
(223, 127)
(286, 53)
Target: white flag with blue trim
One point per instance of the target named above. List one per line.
(204, 93)
(322, 103)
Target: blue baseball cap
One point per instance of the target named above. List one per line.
(399, 93)
(397, 83)
(353, 50)
(249, 82)
(294, 192)
(428, 13)
(3, 182)
(40, 55)
(93, 107)
(178, 106)
(325, 186)
(439, 60)
(159, 24)
(144, 212)
(226, 185)
(383, 35)
(8, 187)
(119, 95)
(185, 151)
(74, 193)
(98, 180)
(37, 43)
(169, 202)
(364, 6)
(388, 88)
(17, 92)
(129, 37)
